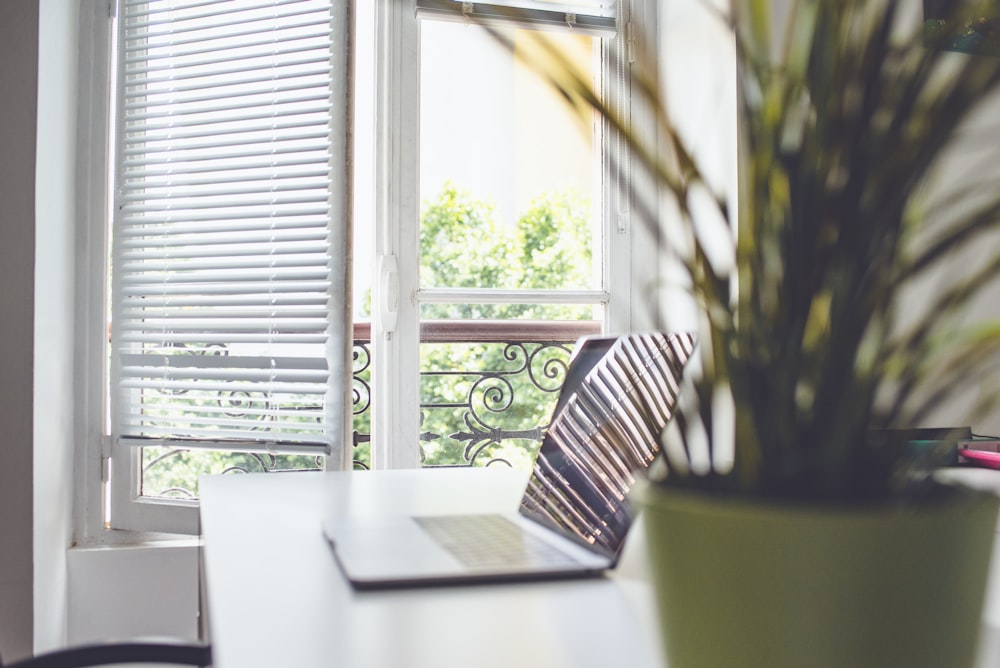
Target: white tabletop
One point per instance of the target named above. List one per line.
(277, 598)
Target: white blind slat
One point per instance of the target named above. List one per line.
(194, 339)
(225, 222)
(182, 151)
(165, 78)
(156, 90)
(211, 60)
(247, 217)
(298, 446)
(296, 104)
(237, 198)
(303, 30)
(295, 380)
(259, 178)
(182, 233)
(164, 188)
(278, 162)
(152, 302)
(173, 123)
(164, 103)
(273, 280)
(193, 8)
(233, 20)
(230, 127)
(228, 160)
(264, 241)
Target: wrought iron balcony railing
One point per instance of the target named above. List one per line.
(487, 388)
(487, 391)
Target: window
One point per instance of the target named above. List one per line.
(475, 257)
(229, 236)
(502, 228)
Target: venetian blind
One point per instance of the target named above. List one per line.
(597, 17)
(230, 266)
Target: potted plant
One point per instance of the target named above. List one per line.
(785, 533)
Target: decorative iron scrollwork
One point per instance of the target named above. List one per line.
(534, 376)
(488, 413)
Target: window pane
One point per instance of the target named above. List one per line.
(500, 312)
(226, 228)
(174, 472)
(487, 403)
(488, 387)
(228, 223)
(596, 7)
(509, 180)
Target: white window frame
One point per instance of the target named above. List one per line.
(629, 251)
(108, 497)
(91, 367)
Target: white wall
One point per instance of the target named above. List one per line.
(697, 61)
(86, 593)
(698, 80)
(54, 231)
(124, 592)
(18, 63)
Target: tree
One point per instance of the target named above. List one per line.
(462, 245)
(473, 392)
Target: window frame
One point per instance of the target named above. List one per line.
(129, 508)
(629, 251)
(112, 500)
(630, 263)
(90, 367)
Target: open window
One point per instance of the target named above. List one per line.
(501, 230)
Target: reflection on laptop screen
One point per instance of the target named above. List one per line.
(605, 430)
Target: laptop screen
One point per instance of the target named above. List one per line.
(618, 396)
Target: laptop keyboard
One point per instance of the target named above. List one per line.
(491, 541)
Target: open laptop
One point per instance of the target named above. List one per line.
(618, 396)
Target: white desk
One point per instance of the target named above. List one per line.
(276, 597)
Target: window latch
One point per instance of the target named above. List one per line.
(388, 308)
(106, 443)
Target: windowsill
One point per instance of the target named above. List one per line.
(121, 540)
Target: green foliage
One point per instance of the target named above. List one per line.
(555, 241)
(174, 473)
(463, 245)
(467, 390)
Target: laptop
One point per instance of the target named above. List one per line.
(573, 516)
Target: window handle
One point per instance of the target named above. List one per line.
(388, 271)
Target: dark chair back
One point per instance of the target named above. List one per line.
(109, 654)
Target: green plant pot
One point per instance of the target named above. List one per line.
(755, 585)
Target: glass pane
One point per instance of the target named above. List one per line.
(528, 312)
(488, 387)
(173, 472)
(486, 404)
(361, 398)
(509, 178)
(595, 7)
